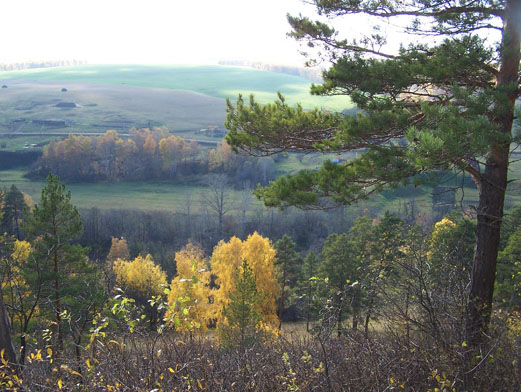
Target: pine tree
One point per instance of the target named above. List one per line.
(13, 212)
(307, 286)
(241, 325)
(58, 263)
(434, 104)
(288, 264)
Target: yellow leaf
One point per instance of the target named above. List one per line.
(171, 370)
(60, 383)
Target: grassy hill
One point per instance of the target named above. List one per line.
(95, 98)
(211, 80)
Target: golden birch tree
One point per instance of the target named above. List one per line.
(229, 257)
(189, 295)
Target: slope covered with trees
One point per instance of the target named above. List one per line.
(446, 104)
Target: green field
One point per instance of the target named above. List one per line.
(172, 196)
(183, 98)
(210, 80)
(168, 196)
(141, 195)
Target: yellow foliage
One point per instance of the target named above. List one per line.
(228, 257)
(118, 250)
(440, 231)
(444, 223)
(15, 288)
(150, 145)
(140, 276)
(29, 201)
(189, 297)
(21, 252)
(514, 326)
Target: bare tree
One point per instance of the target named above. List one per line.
(244, 203)
(218, 198)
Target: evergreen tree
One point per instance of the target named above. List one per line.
(59, 265)
(307, 286)
(339, 268)
(13, 212)
(241, 318)
(288, 265)
(434, 104)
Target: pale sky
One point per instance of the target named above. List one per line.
(149, 31)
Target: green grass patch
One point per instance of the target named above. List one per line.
(141, 195)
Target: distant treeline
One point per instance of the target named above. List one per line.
(146, 154)
(39, 64)
(314, 75)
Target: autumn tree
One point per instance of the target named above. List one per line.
(508, 285)
(189, 295)
(433, 104)
(450, 252)
(6, 340)
(141, 279)
(149, 152)
(21, 299)
(118, 250)
(228, 257)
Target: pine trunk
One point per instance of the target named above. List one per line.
(6, 342)
(492, 186)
